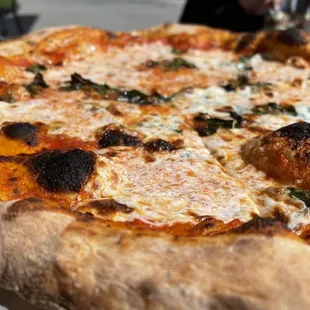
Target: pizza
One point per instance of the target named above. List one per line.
(165, 168)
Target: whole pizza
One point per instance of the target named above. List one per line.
(163, 169)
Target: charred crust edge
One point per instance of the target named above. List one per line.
(293, 37)
(245, 42)
(25, 132)
(297, 132)
(109, 206)
(264, 226)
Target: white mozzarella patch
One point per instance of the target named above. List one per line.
(227, 149)
(274, 122)
(202, 100)
(172, 188)
(117, 67)
(81, 122)
(303, 112)
(216, 61)
(156, 126)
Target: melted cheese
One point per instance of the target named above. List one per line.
(171, 189)
(226, 146)
(74, 118)
(166, 188)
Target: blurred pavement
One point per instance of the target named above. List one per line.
(108, 14)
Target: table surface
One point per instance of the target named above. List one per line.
(10, 301)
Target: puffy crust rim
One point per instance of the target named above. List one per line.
(279, 45)
(58, 260)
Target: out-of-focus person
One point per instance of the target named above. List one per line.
(238, 15)
(291, 14)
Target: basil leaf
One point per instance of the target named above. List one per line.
(131, 96)
(77, 82)
(137, 97)
(274, 108)
(300, 194)
(173, 64)
(208, 126)
(7, 97)
(36, 68)
(243, 81)
(178, 63)
(244, 63)
(176, 51)
(37, 85)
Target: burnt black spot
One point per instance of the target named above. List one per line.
(259, 225)
(292, 36)
(116, 137)
(5, 159)
(59, 171)
(159, 145)
(244, 42)
(110, 206)
(297, 132)
(24, 132)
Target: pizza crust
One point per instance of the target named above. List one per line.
(280, 45)
(62, 260)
